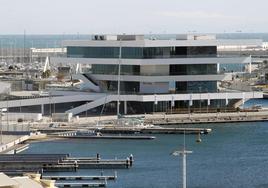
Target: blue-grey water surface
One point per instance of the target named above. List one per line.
(52, 41)
(233, 155)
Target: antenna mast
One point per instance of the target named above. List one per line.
(118, 82)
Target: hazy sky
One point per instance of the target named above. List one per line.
(132, 16)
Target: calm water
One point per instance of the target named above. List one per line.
(52, 41)
(234, 155)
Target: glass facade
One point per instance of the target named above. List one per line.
(232, 67)
(202, 51)
(113, 69)
(93, 52)
(125, 87)
(196, 69)
(196, 87)
(181, 87)
(141, 53)
(151, 52)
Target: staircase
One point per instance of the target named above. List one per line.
(91, 105)
(88, 82)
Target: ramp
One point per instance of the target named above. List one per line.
(91, 105)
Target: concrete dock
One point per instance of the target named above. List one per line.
(165, 120)
(115, 135)
(199, 118)
(154, 130)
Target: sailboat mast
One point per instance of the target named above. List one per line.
(118, 82)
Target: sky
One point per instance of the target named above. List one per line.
(132, 16)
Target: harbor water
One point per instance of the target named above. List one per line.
(233, 155)
(55, 41)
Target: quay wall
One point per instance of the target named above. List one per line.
(7, 146)
(182, 118)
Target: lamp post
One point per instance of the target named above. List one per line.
(1, 130)
(7, 92)
(200, 88)
(208, 102)
(86, 109)
(183, 153)
(1, 45)
(50, 107)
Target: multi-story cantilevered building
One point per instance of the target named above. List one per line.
(178, 69)
(155, 75)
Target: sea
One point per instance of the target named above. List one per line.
(53, 41)
(234, 155)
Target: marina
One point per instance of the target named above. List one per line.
(234, 148)
(133, 94)
(135, 103)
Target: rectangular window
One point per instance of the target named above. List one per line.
(195, 69)
(113, 69)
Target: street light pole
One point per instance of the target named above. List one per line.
(86, 109)
(1, 124)
(199, 99)
(50, 108)
(1, 128)
(183, 153)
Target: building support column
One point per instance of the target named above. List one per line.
(249, 68)
(42, 109)
(125, 107)
(218, 68)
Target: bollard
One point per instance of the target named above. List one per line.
(75, 165)
(127, 163)
(42, 171)
(98, 157)
(115, 175)
(198, 140)
(131, 160)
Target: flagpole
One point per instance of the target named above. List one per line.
(190, 104)
(208, 104)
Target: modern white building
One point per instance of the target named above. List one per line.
(155, 75)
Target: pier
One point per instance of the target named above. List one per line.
(75, 177)
(114, 136)
(115, 132)
(81, 181)
(58, 163)
(154, 130)
(204, 118)
(162, 120)
(81, 184)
